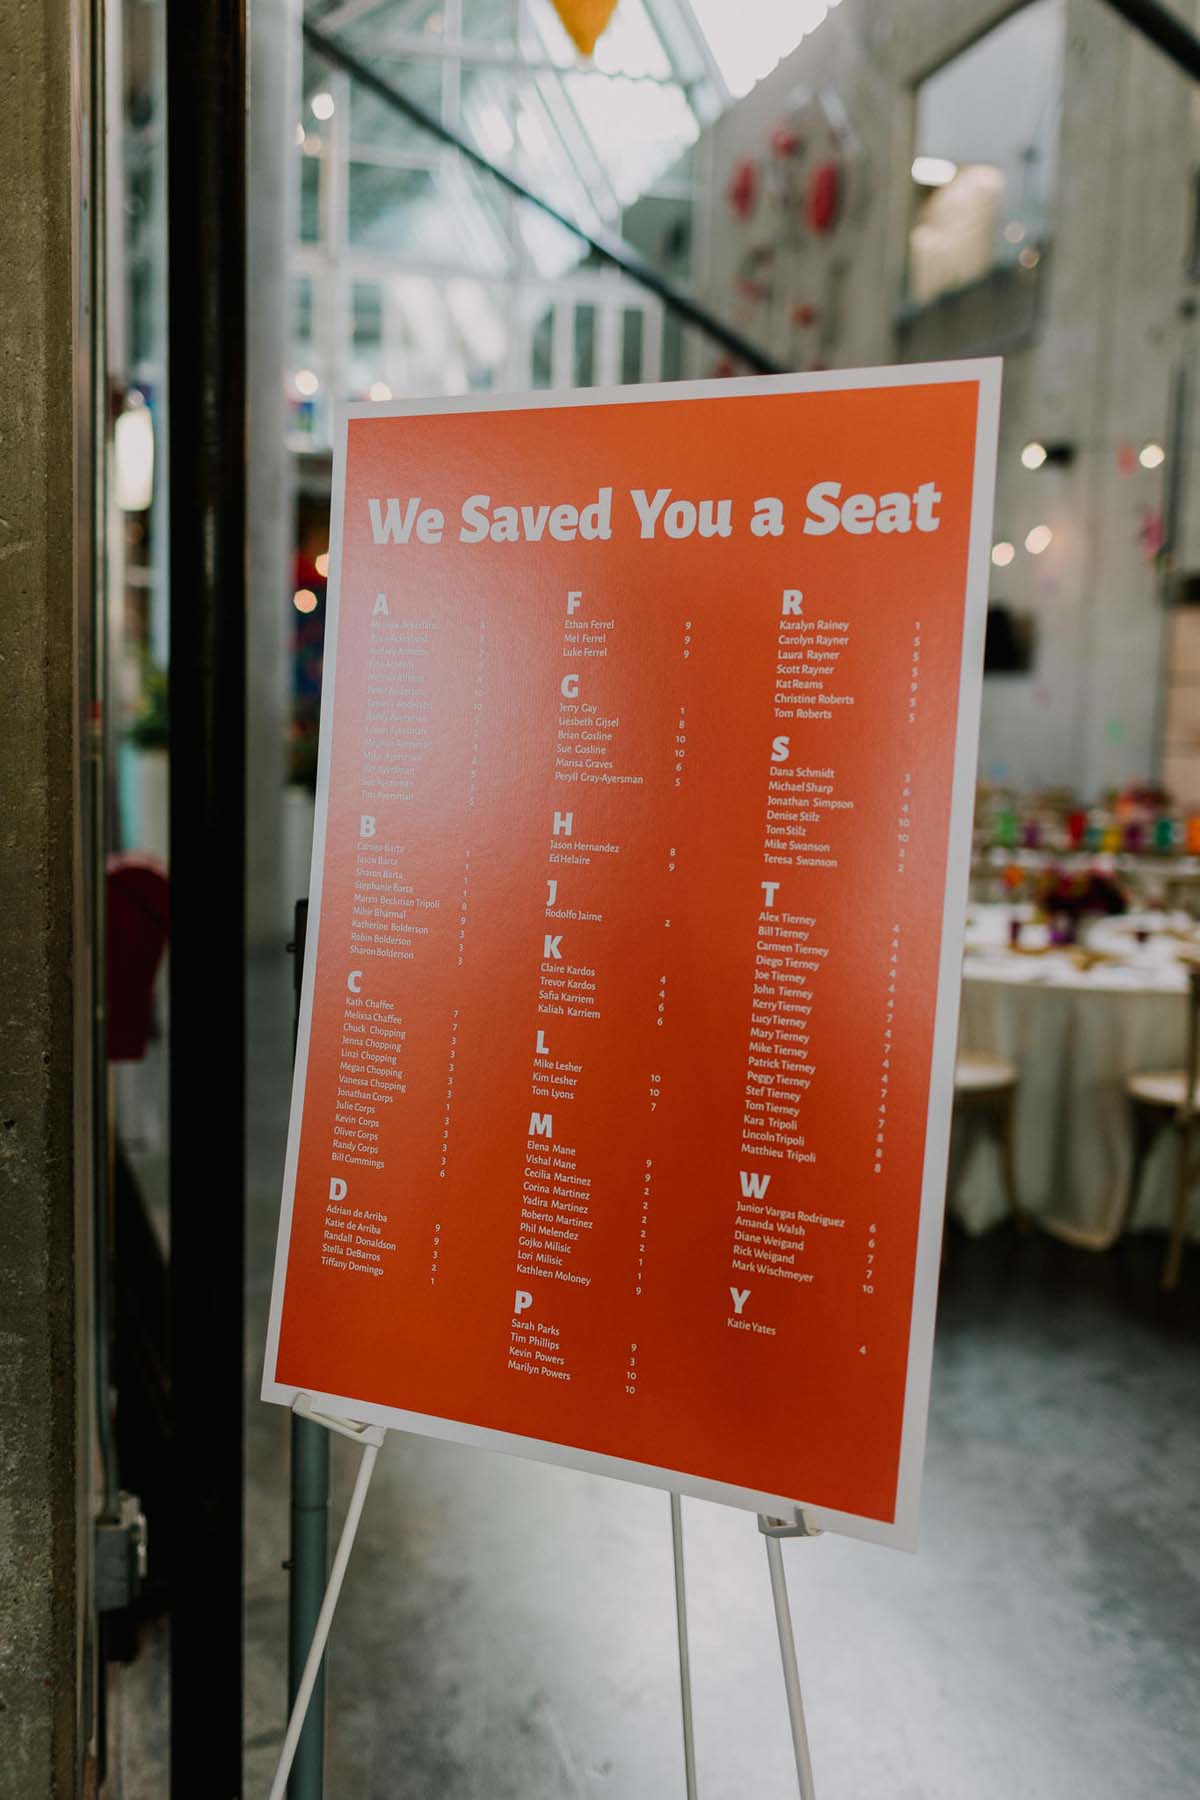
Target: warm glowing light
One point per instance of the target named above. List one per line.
(306, 383)
(1002, 555)
(322, 564)
(133, 455)
(1014, 231)
(1033, 455)
(304, 600)
(379, 390)
(1151, 456)
(1029, 257)
(323, 107)
(933, 171)
(1038, 539)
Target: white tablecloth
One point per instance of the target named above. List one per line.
(1074, 1037)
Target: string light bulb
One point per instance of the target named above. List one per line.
(1152, 456)
(1038, 539)
(1033, 455)
(1002, 554)
(133, 454)
(933, 171)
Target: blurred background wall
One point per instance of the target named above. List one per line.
(956, 177)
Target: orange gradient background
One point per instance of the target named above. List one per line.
(814, 1411)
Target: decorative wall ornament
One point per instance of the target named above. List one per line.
(743, 190)
(585, 21)
(1152, 534)
(786, 141)
(792, 211)
(817, 166)
(823, 202)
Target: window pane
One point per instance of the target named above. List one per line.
(310, 199)
(374, 122)
(985, 155)
(584, 352)
(633, 332)
(672, 348)
(367, 309)
(639, 127)
(302, 310)
(489, 21)
(427, 214)
(487, 112)
(748, 41)
(541, 356)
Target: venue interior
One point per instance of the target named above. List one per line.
(453, 200)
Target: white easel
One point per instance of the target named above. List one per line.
(371, 1439)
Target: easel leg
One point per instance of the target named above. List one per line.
(309, 1558)
(309, 1564)
(791, 1674)
(337, 1575)
(685, 1660)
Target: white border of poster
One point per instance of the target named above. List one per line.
(902, 1533)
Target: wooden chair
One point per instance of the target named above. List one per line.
(987, 881)
(985, 1088)
(1170, 1097)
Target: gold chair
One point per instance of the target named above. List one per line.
(985, 1087)
(1170, 1097)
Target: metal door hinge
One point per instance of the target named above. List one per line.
(120, 1567)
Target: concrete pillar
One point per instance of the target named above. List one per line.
(44, 973)
(273, 175)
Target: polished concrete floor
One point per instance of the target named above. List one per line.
(507, 1630)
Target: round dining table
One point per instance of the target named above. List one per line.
(1075, 1023)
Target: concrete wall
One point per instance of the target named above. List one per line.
(43, 1121)
(1096, 373)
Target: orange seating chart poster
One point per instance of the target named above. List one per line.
(625, 1062)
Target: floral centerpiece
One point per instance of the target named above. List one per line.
(1066, 898)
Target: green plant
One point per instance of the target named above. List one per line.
(149, 728)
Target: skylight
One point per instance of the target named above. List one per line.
(748, 41)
